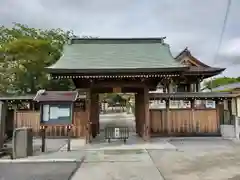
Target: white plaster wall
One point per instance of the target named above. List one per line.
(233, 102)
(238, 106)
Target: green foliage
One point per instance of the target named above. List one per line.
(24, 54)
(220, 81)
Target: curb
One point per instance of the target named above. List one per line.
(39, 160)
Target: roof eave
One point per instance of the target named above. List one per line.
(127, 70)
(214, 71)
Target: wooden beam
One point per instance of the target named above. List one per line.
(118, 83)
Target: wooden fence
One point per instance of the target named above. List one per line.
(32, 119)
(181, 122)
(184, 122)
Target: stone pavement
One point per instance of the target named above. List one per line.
(206, 159)
(162, 158)
(191, 159)
(118, 164)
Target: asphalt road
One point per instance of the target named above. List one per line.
(37, 171)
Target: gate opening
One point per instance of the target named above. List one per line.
(115, 118)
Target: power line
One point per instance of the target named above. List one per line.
(222, 34)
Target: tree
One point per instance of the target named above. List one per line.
(24, 54)
(220, 81)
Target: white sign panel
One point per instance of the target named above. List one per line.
(210, 104)
(117, 132)
(64, 112)
(54, 113)
(45, 113)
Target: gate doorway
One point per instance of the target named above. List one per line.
(128, 110)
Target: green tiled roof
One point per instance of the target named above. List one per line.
(82, 55)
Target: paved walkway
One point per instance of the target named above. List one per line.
(171, 158)
(118, 164)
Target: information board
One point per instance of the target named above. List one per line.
(56, 114)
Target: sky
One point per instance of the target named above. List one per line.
(185, 23)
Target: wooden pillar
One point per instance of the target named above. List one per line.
(137, 113)
(88, 133)
(97, 114)
(219, 113)
(167, 118)
(3, 114)
(193, 116)
(94, 114)
(140, 113)
(170, 86)
(229, 103)
(188, 86)
(197, 86)
(146, 114)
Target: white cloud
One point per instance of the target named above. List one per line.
(232, 47)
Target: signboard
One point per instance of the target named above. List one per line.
(117, 90)
(56, 114)
(210, 104)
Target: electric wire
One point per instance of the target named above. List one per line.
(221, 35)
